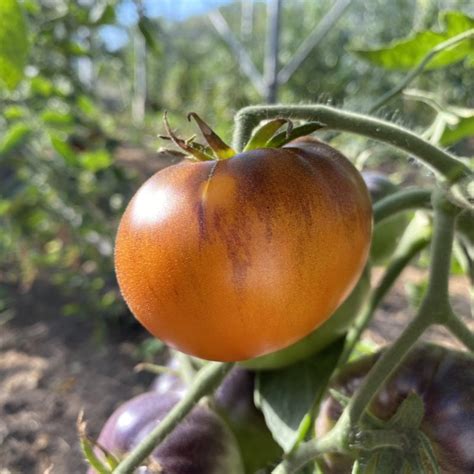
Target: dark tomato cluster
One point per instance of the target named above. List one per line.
(444, 380)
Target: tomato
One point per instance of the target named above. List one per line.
(202, 444)
(335, 327)
(232, 259)
(444, 379)
(387, 233)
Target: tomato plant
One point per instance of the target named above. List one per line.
(239, 255)
(444, 380)
(388, 232)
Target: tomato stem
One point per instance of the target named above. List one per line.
(206, 380)
(401, 201)
(460, 330)
(449, 167)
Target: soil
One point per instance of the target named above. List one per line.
(51, 368)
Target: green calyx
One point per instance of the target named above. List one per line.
(268, 135)
(216, 148)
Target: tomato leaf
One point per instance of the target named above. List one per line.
(14, 137)
(409, 414)
(408, 52)
(64, 150)
(53, 117)
(87, 446)
(95, 160)
(452, 134)
(13, 43)
(287, 396)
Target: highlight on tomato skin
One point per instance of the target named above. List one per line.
(228, 260)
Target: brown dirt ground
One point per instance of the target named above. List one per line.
(50, 368)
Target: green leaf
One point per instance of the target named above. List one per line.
(463, 129)
(14, 137)
(64, 150)
(41, 86)
(13, 43)
(52, 117)
(96, 160)
(288, 395)
(409, 414)
(407, 53)
(14, 112)
(87, 107)
(87, 447)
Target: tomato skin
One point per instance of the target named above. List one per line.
(228, 260)
(202, 444)
(444, 379)
(335, 327)
(388, 232)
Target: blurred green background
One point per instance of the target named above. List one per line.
(83, 86)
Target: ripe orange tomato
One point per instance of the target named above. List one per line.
(232, 259)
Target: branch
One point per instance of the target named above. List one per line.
(401, 201)
(246, 63)
(461, 331)
(319, 32)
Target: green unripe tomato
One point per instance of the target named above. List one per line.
(387, 233)
(321, 337)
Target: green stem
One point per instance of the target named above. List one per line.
(307, 452)
(461, 331)
(390, 276)
(436, 158)
(434, 309)
(420, 67)
(206, 380)
(401, 201)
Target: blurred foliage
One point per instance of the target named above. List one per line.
(62, 193)
(67, 91)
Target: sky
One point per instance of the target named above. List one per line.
(173, 10)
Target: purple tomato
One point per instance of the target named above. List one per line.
(200, 444)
